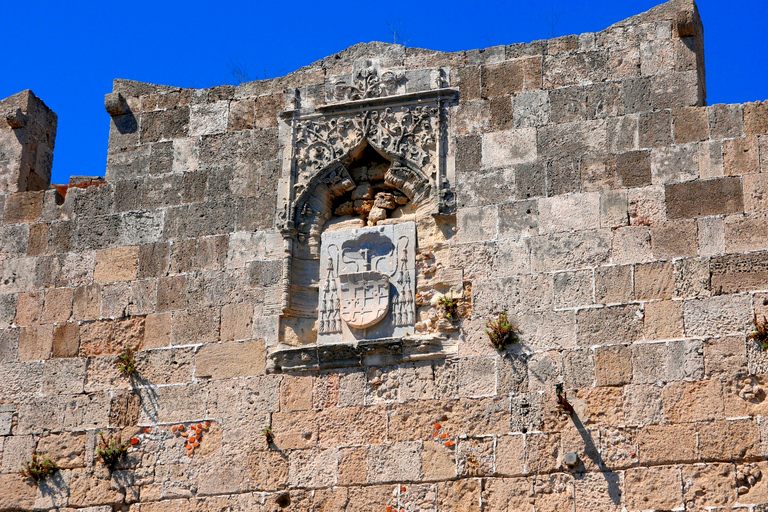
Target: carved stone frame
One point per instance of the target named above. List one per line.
(407, 129)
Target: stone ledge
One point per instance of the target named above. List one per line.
(365, 353)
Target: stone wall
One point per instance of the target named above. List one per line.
(619, 221)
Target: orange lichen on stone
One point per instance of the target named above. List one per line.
(449, 444)
(134, 441)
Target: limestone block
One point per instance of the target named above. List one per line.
(511, 77)
(23, 207)
(173, 403)
(578, 369)
(463, 495)
(729, 440)
(573, 289)
(724, 356)
(711, 160)
(508, 494)
(477, 376)
(599, 492)
(717, 316)
(208, 118)
(35, 342)
(653, 488)
(30, 308)
(510, 455)
(690, 124)
(417, 381)
(16, 451)
(608, 325)
(530, 180)
(570, 250)
(394, 462)
(530, 109)
(665, 444)
(741, 156)
(756, 118)
(191, 326)
(295, 430)
(725, 121)
(674, 164)
(613, 284)
(63, 376)
(9, 345)
(87, 488)
(58, 305)
(66, 449)
(269, 470)
(124, 409)
(702, 198)
(477, 224)
(613, 365)
(18, 275)
(18, 492)
(642, 404)
(663, 320)
(755, 192)
(674, 239)
(631, 244)
(508, 148)
(120, 264)
(237, 322)
(711, 236)
(351, 425)
(228, 360)
(646, 206)
(686, 402)
(518, 219)
(613, 209)
(572, 212)
(712, 485)
(743, 234)
(655, 280)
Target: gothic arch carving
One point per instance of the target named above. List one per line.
(326, 145)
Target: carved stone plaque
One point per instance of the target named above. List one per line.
(367, 283)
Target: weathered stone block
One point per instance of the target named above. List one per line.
(712, 485)
(573, 289)
(665, 444)
(674, 239)
(23, 207)
(35, 342)
(690, 124)
(570, 250)
(729, 440)
(572, 212)
(655, 280)
(612, 324)
(741, 156)
(717, 316)
(518, 219)
(229, 360)
(702, 198)
(531, 109)
(613, 284)
(508, 148)
(663, 320)
(687, 402)
(120, 264)
(756, 118)
(653, 488)
(477, 224)
(208, 118)
(631, 244)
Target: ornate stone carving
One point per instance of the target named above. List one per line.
(365, 82)
(409, 132)
(368, 283)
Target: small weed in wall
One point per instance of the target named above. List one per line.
(501, 331)
(110, 451)
(38, 467)
(269, 436)
(760, 332)
(125, 361)
(447, 305)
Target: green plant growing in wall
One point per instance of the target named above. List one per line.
(110, 451)
(269, 436)
(125, 361)
(38, 467)
(448, 305)
(501, 331)
(760, 332)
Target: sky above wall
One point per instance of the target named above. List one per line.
(69, 52)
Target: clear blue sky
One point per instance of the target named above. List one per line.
(69, 52)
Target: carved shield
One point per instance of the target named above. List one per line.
(364, 298)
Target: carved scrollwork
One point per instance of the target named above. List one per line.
(409, 132)
(366, 83)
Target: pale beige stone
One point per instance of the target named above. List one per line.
(66, 449)
(685, 402)
(312, 468)
(18, 492)
(663, 320)
(667, 444)
(711, 485)
(569, 212)
(120, 264)
(295, 430)
(233, 359)
(296, 393)
(236, 322)
(353, 466)
(510, 455)
(509, 494)
(657, 488)
(35, 343)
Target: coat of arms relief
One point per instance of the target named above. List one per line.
(365, 169)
